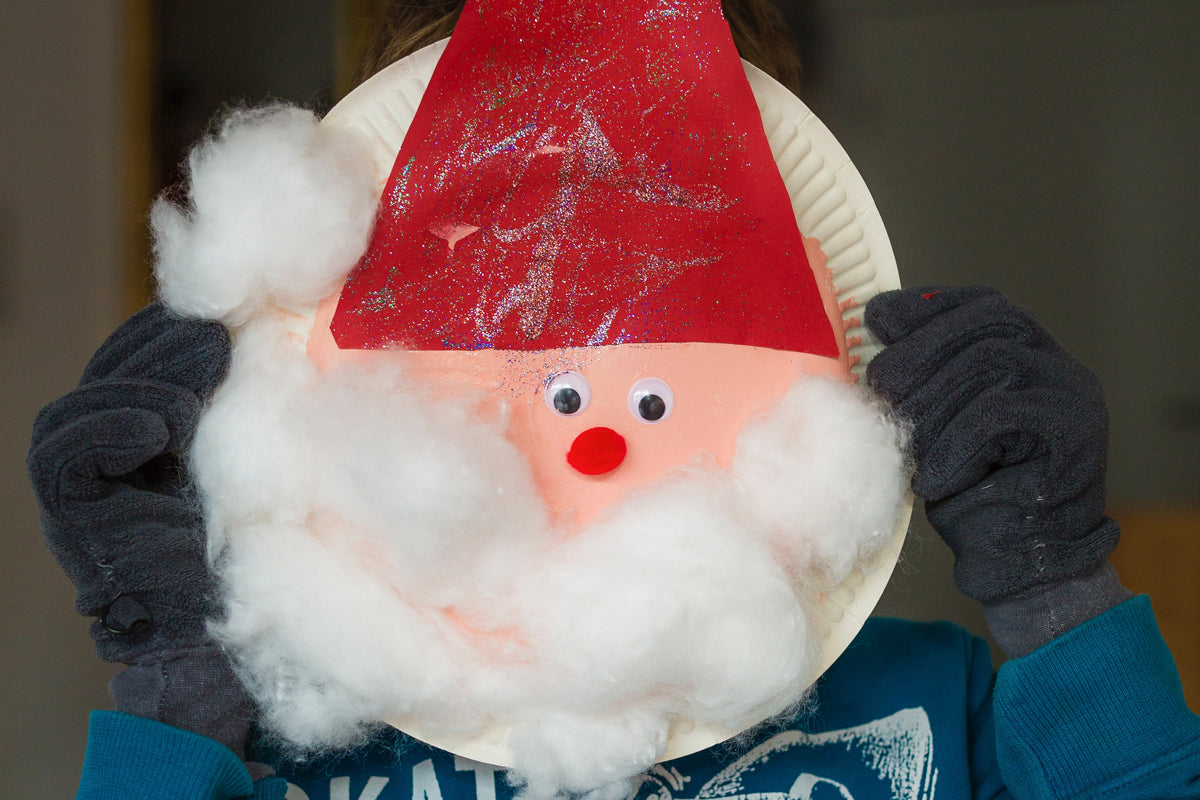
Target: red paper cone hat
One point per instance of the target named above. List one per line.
(585, 173)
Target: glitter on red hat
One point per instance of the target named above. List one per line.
(591, 174)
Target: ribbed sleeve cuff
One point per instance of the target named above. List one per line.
(1095, 709)
(133, 758)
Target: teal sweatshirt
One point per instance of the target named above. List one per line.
(910, 710)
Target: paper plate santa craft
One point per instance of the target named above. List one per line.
(542, 440)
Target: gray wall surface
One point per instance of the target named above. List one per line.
(1047, 148)
(59, 284)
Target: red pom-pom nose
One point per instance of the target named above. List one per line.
(597, 451)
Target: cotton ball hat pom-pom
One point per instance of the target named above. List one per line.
(280, 210)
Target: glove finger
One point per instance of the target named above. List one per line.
(893, 315)
(125, 341)
(94, 520)
(973, 443)
(178, 408)
(156, 344)
(87, 459)
(1056, 436)
(94, 465)
(989, 367)
(82, 460)
(950, 346)
(990, 373)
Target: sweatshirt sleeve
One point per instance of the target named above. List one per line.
(131, 758)
(1098, 713)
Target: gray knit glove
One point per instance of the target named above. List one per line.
(120, 516)
(1010, 434)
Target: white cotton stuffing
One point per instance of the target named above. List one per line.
(280, 209)
(618, 742)
(783, 466)
(382, 554)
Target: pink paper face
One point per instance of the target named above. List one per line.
(597, 446)
(587, 460)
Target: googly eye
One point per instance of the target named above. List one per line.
(568, 394)
(651, 400)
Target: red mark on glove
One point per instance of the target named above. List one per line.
(597, 451)
(932, 294)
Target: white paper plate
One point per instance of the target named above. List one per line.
(832, 204)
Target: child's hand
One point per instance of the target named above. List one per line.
(1010, 436)
(120, 516)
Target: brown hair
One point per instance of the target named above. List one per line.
(397, 28)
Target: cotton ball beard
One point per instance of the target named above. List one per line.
(386, 555)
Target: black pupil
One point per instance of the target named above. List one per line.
(567, 400)
(652, 407)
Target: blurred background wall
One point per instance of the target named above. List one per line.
(61, 281)
(1046, 147)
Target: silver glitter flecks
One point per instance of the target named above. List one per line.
(531, 297)
(398, 202)
(600, 158)
(667, 9)
(656, 270)
(700, 198)
(590, 171)
(507, 143)
(380, 299)
(601, 333)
